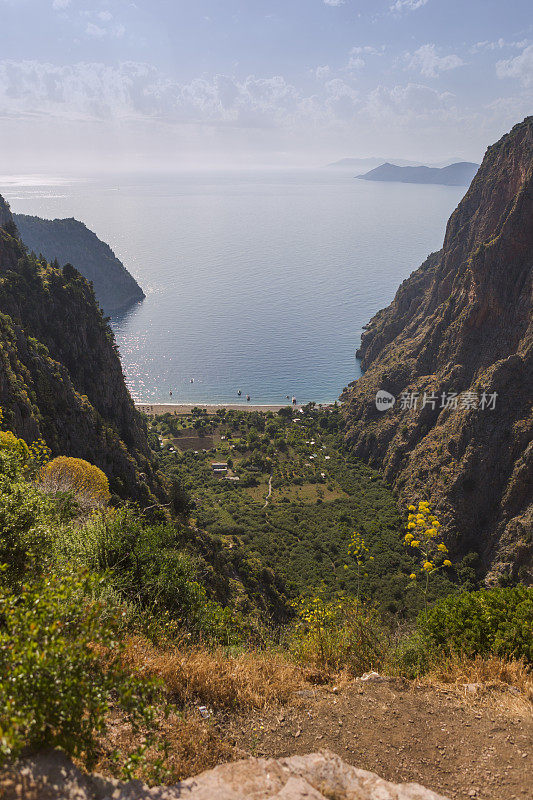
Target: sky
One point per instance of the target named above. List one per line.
(175, 84)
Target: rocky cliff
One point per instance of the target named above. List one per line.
(463, 323)
(60, 374)
(71, 242)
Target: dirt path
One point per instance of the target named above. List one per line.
(267, 498)
(461, 746)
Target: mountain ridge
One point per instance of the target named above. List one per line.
(71, 241)
(463, 322)
(60, 373)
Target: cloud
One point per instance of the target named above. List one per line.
(407, 5)
(59, 5)
(368, 49)
(429, 63)
(355, 62)
(135, 91)
(410, 101)
(98, 32)
(520, 67)
(499, 44)
(334, 2)
(95, 30)
(322, 72)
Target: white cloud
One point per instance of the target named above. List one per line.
(520, 67)
(429, 63)
(322, 72)
(95, 30)
(406, 102)
(98, 32)
(368, 49)
(355, 62)
(407, 5)
(137, 91)
(334, 2)
(59, 5)
(499, 44)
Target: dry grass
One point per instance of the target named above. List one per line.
(187, 746)
(488, 677)
(218, 679)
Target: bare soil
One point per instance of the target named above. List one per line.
(460, 742)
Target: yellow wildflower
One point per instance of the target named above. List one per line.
(428, 565)
(412, 576)
(447, 563)
(442, 548)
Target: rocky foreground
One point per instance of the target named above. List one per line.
(319, 776)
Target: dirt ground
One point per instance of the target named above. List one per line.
(461, 743)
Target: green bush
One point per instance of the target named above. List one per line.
(61, 669)
(490, 622)
(26, 517)
(148, 568)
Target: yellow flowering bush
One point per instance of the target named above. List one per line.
(361, 554)
(422, 534)
(337, 633)
(87, 482)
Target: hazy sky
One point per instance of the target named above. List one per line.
(174, 83)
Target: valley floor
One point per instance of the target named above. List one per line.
(460, 743)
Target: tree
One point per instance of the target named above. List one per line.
(87, 483)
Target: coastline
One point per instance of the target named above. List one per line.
(211, 408)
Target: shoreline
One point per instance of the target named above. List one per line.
(181, 409)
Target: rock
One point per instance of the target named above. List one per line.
(372, 676)
(52, 776)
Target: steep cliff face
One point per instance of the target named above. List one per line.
(60, 374)
(462, 323)
(71, 242)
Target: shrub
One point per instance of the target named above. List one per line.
(342, 633)
(26, 517)
(60, 669)
(11, 444)
(490, 622)
(147, 566)
(87, 482)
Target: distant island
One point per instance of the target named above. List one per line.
(70, 241)
(459, 174)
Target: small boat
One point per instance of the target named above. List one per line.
(192, 380)
(248, 397)
(170, 393)
(239, 393)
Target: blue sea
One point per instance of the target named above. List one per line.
(258, 280)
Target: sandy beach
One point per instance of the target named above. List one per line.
(186, 408)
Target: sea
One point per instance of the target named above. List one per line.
(258, 281)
